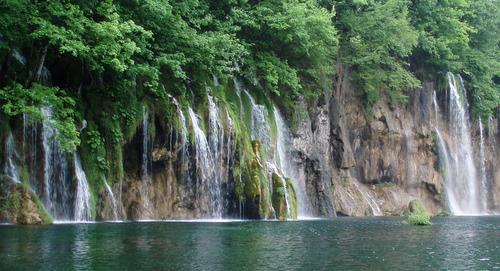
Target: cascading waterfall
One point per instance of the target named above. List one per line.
(285, 162)
(445, 169)
(466, 193)
(56, 194)
(204, 166)
(10, 168)
(216, 143)
(465, 184)
(369, 199)
(111, 196)
(82, 197)
(482, 161)
(30, 148)
(260, 129)
(145, 175)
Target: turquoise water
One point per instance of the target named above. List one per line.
(455, 243)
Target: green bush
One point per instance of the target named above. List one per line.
(419, 218)
(417, 214)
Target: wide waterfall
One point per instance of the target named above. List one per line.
(82, 197)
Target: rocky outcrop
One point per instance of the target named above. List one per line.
(361, 165)
(19, 205)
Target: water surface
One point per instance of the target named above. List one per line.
(455, 243)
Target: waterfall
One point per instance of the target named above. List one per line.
(182, 119)
(287, 165)
(482, 161)
(30, 148)
(465, 185)
(82, 197)
(260, 129)
(145, 175)
(238, 87)
(230, 135)
(111, 196)
(205, 169)
(446, 171)
(10, 168)
(369, 200)
(216, 143)
(55, 194)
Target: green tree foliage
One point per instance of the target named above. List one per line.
(482, 59)
(443, 32)
(376, 40)
(462, 36)
(119, 55)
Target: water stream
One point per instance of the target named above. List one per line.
(82, 197)
(10, 168)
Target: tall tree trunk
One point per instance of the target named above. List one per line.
(41, 63)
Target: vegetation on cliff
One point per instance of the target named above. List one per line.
(105, 61)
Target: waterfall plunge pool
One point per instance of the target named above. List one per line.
(451, 243)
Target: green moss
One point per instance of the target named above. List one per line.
(279, 198)
(13, 200)
(419, 219)
(44, 214)
(292, 199)
(418, 215)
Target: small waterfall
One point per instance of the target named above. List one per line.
(465, 184)
(205, 169)
(284, 157)
(10, 168)
(230, 136)
(145, 166)
(446, 171)
(111, 196)
(482, 161)
(82, 197)
(182, 119)
(30, 148)
(436, 108)
(369, 200)
(239, 87)
(56, 194)
(216, 143)
(260, 129)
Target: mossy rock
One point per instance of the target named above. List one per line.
(279, 198)
(21, 206)
(256, 185)
(418, 215)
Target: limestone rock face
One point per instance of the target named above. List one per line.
(357, 164)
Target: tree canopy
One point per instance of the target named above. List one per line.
(64, 53)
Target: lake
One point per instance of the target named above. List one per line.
(456, 243)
